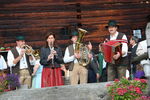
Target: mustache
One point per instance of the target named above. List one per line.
(111, 30)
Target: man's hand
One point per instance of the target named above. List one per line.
(77, 55)
(22, 52)
(116, 56)
(90, 56)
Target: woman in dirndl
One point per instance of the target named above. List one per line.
(51, 58)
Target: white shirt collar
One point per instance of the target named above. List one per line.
(113, 37)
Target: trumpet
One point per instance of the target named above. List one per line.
(28, 49)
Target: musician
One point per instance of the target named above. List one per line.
(77, 72)
(93, 72)
(20, 62)
(134, 44)
(141, 49)
(3, 65)
(117, 70)
(51, 58)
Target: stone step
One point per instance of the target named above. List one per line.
(94, 91)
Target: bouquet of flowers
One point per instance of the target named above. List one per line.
(125, 89)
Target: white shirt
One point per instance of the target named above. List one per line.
(68, 58)
(104, 63)
(124, 45)
(3, 64)
(141, 49)
(23, 61)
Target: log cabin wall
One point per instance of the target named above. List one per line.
(33, 18)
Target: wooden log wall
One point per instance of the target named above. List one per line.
(33, 18)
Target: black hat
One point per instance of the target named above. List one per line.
(20, 38)
(112, 23)
(73, 33)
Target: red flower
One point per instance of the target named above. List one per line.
(143, 81)
(116, 80)
(138, 90)
(121, 91)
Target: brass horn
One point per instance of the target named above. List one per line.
(82, 49)
(28, 49)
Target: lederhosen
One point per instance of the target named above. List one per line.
(16, 68)
(76, 68)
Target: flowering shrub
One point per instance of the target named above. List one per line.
(9, 82)
(127, 89)
(13, 81)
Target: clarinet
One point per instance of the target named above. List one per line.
(52, 57)
(52, 49)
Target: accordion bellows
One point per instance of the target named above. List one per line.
(109, 49)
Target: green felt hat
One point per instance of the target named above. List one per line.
(74, 33)
(112, 23)
(20, 38)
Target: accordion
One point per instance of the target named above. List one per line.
(109, 49)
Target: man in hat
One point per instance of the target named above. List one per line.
(77, 72)
(117, 70)
(20, 62)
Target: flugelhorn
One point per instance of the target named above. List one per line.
(28, 49)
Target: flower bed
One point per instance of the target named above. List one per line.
(125, 89)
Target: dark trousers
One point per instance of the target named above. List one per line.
(103, 77)
(91, 76)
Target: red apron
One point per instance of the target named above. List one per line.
(51, 77)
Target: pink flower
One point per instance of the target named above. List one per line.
(121, 91)
(138, 90)
(109, 84)
(137, 79)
(143, 81)
(116, 80)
